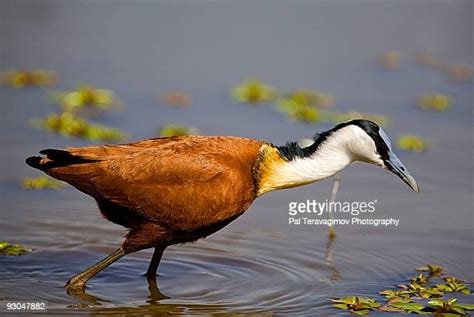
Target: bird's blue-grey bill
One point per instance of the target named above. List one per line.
(396, 166)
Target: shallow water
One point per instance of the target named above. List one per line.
(259, 263)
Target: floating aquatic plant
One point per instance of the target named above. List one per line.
(436, 102)
(412, 298)
(176, 99)
(310, 98)
(85, 96)
(356, 305)
(304, 105)
(389, 60)
(254, 91)
(299, 111)
(177, 130)
(70, 125)
(413, 143)
(12, 249)
(407, 307)
(338, 117)
(431, 269)
(421, 279)
(454, 286)
(427, 59)
(422, 291)
(449, 306)
(395, 294)
(42, 182)
(459, 72)
(21, 79)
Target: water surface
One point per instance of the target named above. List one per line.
(259, 263)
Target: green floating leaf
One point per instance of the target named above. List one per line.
(42, 182)
(410, 307)
(85, 96)
(177, 130)
(21, 79)
(422, 291)
(338, 117)
(437, 102)
(12, 249)
(70, 125)
(449, 306)
(413, 143)
(454, 286)
(254, 91)
(356, 305)
(421, 279)
(431, 269)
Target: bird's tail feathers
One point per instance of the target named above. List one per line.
(55, 158)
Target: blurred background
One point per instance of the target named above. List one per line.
(187, 62)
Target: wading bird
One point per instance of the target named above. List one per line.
(180, 189)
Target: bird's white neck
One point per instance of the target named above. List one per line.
(332, 155)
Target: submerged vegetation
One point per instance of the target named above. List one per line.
(85, 97)
(177, 130)
(70, 125)
(41, 182)
(12, 249)
(420, 296)
(22, 79)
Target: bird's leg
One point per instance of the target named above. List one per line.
(78, 282)
(154, 263)
(332, 199)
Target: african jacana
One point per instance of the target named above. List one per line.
(180, 189)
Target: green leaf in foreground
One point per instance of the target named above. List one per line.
(449, 306)
(356, 305)
(431, 269)
(410, 307)
(422, 291)
(421, 279)
(454, 286)
(42, 182)
(12, 249)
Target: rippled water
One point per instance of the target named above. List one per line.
(259, 263)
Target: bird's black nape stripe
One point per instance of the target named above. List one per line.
(292, 150)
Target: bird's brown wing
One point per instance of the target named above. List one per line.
(185, 183)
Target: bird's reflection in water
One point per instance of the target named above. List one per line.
(156, 304)
(154, 297)
(335, 273)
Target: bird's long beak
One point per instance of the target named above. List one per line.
(396, 166)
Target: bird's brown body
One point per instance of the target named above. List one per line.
(164, 190)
